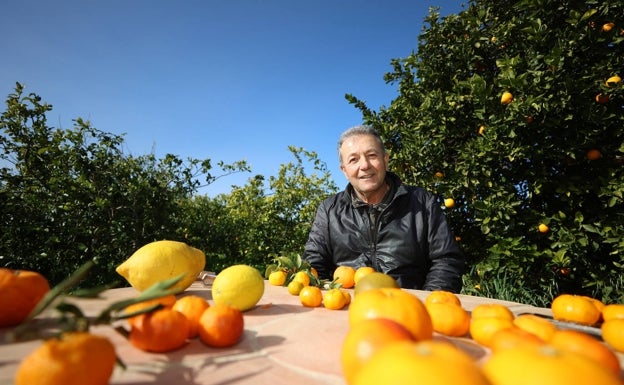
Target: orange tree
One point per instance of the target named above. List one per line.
(548, 152)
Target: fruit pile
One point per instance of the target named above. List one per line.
(391, 339)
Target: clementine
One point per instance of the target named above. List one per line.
(487, 310)
(449, 319)
(613, 333)
(311, 296)
(345, 276)
(192, 307)
(364, 339)
(21, 292)
(221, 325)
(159, 331)
(395, 304)
(361, 272)
(588, 346)
(536, 325)
(613, 311)
(513, 338)
(76, 358)
(483, 329)
(442, 296)
(334, 299)
(575, 308)
(165, 302)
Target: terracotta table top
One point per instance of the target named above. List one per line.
(283, 342)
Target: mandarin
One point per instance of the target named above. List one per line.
(361, 272)
(482, 329)
(192, 307)
(159, 331)
(21, 292)
(334, 299)
(513, 338)
(345, 276)
(221, 325)
(536, 325)
(165, 302)
(575, 308)
(613, 311)
(613, 333)
(488, 310)
(311, 296)
(442, 296)
(588, 346)
(449, 319)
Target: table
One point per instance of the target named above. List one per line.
(283, 343)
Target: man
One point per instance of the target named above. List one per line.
(377, 221)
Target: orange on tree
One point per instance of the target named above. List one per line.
(481, 129)
(75, 358)
(192, 307)
(221, 325)
(430, 362)
(607, 27)
(311, 296)
(449, 319)
(586, 345)
(449, 203)
(483, 329)
(536, 325)
(159, 331)
(364, 339)
(395, 304)
(575, 308)
(506, 97)
(513, 338)
(21, 291)
(594, 154)
(543, 228)
(613, 80)
(496, 310)
(613, 333)
(345, 276)
(361, 272)
(602, 99)
(545, 365)
(442, 296)
(334, 299)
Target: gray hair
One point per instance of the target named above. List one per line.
(359, 130)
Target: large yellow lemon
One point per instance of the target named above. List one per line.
(240, 286)
(161, 260)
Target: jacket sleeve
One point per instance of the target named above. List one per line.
(317, 251)
(447, 262)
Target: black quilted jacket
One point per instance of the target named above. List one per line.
(412, 241)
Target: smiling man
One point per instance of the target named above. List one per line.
(378, 221)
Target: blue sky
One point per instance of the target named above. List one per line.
(225, 80)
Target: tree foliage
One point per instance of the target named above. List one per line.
(513, 166)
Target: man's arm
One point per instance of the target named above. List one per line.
(317, 251)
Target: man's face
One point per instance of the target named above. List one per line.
(364, 164)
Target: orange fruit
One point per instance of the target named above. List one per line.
(488, 310)
(295, 287)
(449, 203)
(395, 304)
(221, 325)
(361, 272)
(414, 363)
(76, 358)
(347, 296)
(513, 338)
(334, 299)
(314, 272)
(606, 27)
(481, 129)
(613, 311)
(21, 292)
(302, 277)
(311, 296)
(543, 228)
(586, 345)
(365, 339)
(278, 278)
(345, 276)
(192, 307)
(545, 365)
(594, 154)
(613, 333)
(575, 308)
(536, 325)
(602, 99)
(482, 329)
(374, 280)
(159, 331)
(613, 80)
(442, 296)
(449, 319)
(166, 302)
(506, 97)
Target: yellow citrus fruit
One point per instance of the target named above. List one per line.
(575, 308)
(345, 276)
(613, 311)
(481, 129)
(483, 329)
(303, 277)
(76, 358)
(449, 319)
(277, 278)
(240, 286)
(374, 280)
(442, 296)
(513, 338)
(613, 80)
(496, 310)
(334, 299)
(507, 97)
(415, 363)
(545, 365)
(586, 345)
(361, 272)
(536, 325)
(449, 203)
(439, 175)
(606, 27)
(347, 296)
(161, 260)
(311, 296)
(294, 287)
(192, 307)
(613, 334)
(543, 228)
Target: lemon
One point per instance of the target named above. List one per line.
(239, 286)
(161, 260)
